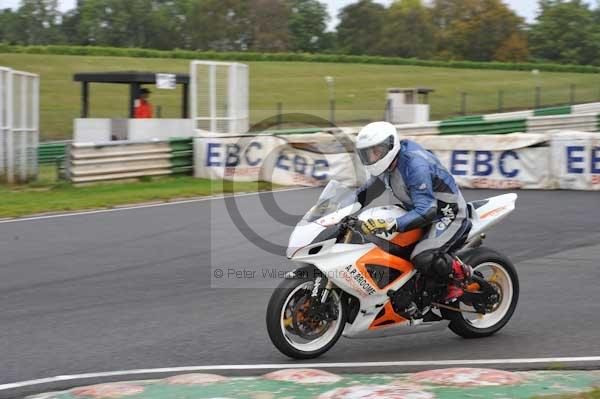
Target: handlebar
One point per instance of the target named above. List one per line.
(352, 223)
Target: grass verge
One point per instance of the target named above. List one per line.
(594, 394)
(360, 89)
(42, 196)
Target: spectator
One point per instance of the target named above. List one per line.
(143, 108)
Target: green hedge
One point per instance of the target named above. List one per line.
(249, 56)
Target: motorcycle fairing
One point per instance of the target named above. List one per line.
(346, 265)
(486, 213)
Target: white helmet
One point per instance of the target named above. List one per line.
(377, 145)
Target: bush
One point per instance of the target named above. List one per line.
(304, 57)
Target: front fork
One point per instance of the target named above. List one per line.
(323, 285)
(321, 289)
(328, 285)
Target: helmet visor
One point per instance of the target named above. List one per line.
(375, 153)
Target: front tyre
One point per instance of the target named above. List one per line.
(497, 270)
(295, 328)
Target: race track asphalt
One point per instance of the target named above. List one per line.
(131, 289)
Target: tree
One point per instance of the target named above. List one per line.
(566, 31)
(70, 26)
(514, 49)
(38, 23)
(359, 30)
(170, 21)
(268, 25)
(307, 24)
(221, 25)
(9, 26)
(474, 29)
(408, 30)
(132, 23)
(105, 22)
(444, 14)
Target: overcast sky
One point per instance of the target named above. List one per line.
(525, 8)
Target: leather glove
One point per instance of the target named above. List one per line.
(377, 226)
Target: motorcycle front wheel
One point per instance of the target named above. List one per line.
(293, 326)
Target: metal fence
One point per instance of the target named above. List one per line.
(219, 96)
(19, 125)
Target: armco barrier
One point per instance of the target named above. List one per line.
(577, 117)
(49, 153)
(494, 125)
(182, 155)
(590, 108)
(88, 163)
(120, 160)
(532, 124)
(483, 127)
(582, 123)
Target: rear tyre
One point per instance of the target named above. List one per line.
(289, 329)
(498, 270)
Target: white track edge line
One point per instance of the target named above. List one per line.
(126, 208)
(73, 377)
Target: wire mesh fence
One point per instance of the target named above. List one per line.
(19, 125)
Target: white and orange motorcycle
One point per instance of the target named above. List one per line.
(365, 286)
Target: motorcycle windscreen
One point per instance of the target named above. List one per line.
(335, 199)
(335, 202)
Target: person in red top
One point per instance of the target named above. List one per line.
(143, 108)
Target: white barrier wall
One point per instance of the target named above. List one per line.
(92, 130)
(274, 159)
(576, 160)
(159, 129)
(95, 130)
(569, 160)
(527, 168)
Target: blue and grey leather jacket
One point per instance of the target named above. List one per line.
(422, 185)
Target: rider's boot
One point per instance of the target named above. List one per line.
(459, 275)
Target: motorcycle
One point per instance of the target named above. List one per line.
(364, 285)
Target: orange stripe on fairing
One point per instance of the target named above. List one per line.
(388, 315)
(408, 238)
(493, 212)
(379, 257)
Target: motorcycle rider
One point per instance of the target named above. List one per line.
(426, 190)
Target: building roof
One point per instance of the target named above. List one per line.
(126, 77)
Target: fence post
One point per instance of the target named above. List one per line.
(538, 97)
(36, 123)
(463, 103)
(500, 101)
(279, 114)
(332, 111)
(387, 115)
(10, 162)
(572, 94)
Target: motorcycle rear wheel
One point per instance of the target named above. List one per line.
(498, 270)
(282, 323)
